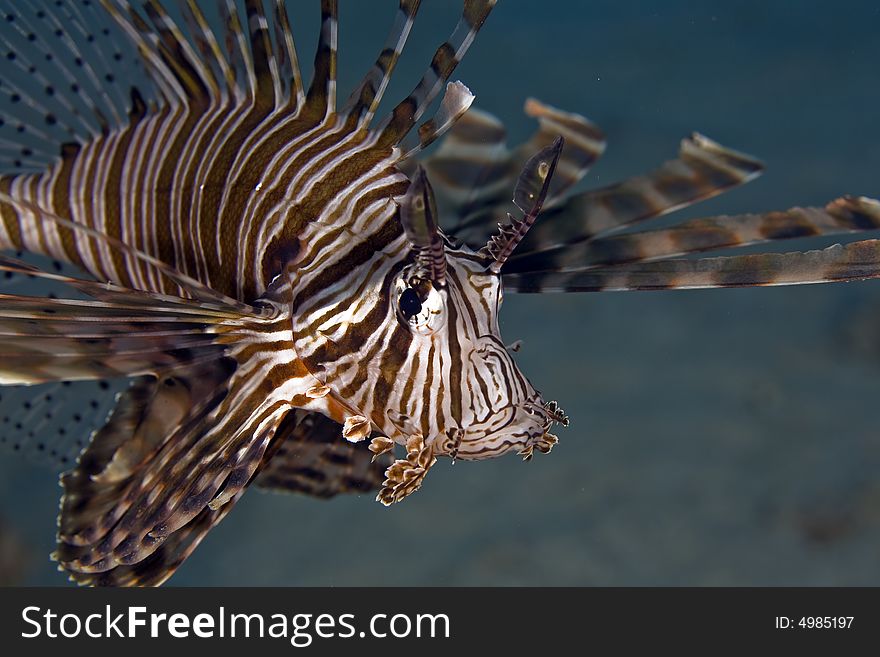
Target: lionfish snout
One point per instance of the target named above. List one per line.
(546, 415)
(521, 428)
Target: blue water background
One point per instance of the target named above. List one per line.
(722, 437)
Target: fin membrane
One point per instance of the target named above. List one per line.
(702, 170)
(473, 171)
(312, 458)
(850, 262)
(51, 424)
(845, 215)
(174, 457)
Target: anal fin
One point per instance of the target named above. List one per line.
(175, 456)
(312, 458)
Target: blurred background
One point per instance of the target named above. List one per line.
(721, 437)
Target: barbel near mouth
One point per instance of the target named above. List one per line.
(550, 410)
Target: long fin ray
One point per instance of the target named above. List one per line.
(268, 88)
(205, 40)
(702, 170)
(841, 216)
(366, 97)
(289, 63)
(405, 115)
(153, 482)
(189, 285)
(851, 262)
(117, 332)
(321, 97)
(165, 78)
(455, 103)
(121, 297)
(39, 342)
(196, 79)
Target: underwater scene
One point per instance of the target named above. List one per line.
(717, 437)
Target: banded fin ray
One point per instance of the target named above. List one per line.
(196, 79)
(455, 103)
(702, 170)
(221, 78)
(288, 61)
(160, 474)
(851, 262)
(366, 97)
(268, 87)
(841, 216)
(447, 57)
(175, 79)
(473, 170)
(321, 96)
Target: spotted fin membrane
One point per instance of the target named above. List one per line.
(64, 73)
(51, 423)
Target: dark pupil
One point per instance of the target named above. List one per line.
(410, 304)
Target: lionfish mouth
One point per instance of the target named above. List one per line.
(553, 412)
(546, 413)
(525, 429)
(550, 413)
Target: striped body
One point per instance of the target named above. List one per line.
(292, 292)
(210, 194)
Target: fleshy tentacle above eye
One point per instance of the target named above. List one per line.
(473, 170)
(531, 190)
(418, 215)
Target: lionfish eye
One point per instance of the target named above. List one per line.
(420, 305)
(409, 303)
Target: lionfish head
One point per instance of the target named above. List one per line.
(475, 402)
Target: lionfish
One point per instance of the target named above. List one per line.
(268, 266)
